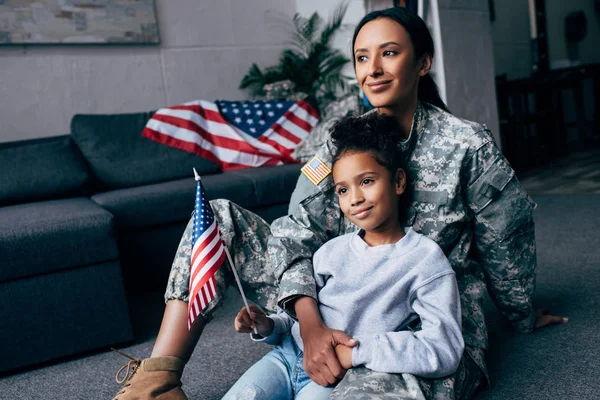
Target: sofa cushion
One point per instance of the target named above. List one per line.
(56, 315)
(120, 157)
(272, 185)
(48, 236)
(41, 169)
(167, 202)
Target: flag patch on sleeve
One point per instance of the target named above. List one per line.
(316, 170)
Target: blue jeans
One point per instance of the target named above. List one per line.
(278, 375)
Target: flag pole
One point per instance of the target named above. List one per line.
(237, 279)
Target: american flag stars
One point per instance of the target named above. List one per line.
(263, 113)
(203, 216)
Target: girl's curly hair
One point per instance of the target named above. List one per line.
(379, 135)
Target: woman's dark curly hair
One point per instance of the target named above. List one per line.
(379, 135)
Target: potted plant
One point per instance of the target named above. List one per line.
(311, 67)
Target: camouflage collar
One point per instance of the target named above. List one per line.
(418, 123)
(419, 119)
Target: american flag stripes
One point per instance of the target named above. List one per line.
(208, 254)
(235, 135)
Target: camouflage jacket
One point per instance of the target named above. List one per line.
(466, 198)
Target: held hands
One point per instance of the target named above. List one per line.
(245, 323)
(327, 353)
(344, 355)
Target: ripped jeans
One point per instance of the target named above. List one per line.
(278, 375)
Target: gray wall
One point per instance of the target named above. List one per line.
(207, 47)
(511, 39)
(469, 61)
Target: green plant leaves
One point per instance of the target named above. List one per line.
(311, 63)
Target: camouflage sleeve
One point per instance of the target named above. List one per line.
(504, 237)
(314, 217)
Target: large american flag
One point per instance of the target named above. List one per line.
(235, 134)
(208, 253)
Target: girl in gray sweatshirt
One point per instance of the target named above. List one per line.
(375, 284)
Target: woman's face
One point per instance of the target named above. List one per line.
(386, 68)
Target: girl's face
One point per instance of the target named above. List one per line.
(386, 68)
(367, 193)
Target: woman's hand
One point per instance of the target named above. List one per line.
(320, 361)
(543, 318)
(245, 323)
(344, 355)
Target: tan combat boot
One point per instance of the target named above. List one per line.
(152, 378)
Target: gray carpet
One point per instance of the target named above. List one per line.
(560, 362)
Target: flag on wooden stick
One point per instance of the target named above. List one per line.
(208, 254)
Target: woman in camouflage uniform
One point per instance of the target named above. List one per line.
(466, 198)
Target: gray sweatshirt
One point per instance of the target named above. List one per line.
(374, 293)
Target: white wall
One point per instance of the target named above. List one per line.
(207, 47)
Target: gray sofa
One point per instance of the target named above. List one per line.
(87, 218)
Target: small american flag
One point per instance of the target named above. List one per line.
(235, 134)
(208, 253)
(315, 170)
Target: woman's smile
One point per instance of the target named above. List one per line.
(379, 86)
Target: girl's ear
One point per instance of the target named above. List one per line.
(400, 181)
(425, 64)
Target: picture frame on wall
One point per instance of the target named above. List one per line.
(78, 22)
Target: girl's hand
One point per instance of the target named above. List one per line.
(320, 360)
(344, 355)
(543, 318)
(245, 323)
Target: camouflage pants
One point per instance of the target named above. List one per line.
(245, 235)
(363, 384)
